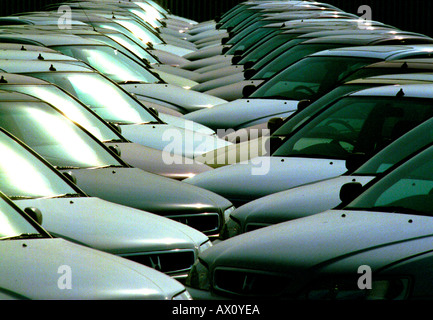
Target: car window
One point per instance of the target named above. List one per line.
(53, 136)
(112, 63)
(408, 189)
(356, 125)
(22, 175)
(105, 99)
(12, 223)
(69, 106)
(291, 56)
(310, 77)
(412, 141)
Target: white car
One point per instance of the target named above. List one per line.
(360, 122)
(37, 266)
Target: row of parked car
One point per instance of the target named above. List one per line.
(269, 153)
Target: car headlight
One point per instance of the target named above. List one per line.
(227, 213)
(198, 277)
(204, 246)
(182, 296)
(384, 289)
(230, 229)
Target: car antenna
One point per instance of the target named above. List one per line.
(40, 57)
(404, 65)
(3, 80)
(23, 48)
(52, 68)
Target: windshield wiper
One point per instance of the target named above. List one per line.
(131, 82)
(25, 236)
(68, 195)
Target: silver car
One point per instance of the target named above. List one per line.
(37, 266)
(100, 173)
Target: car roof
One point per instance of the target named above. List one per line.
(24, 66)
(406, 78)
(16, 96)
(378, 52)
(407, 90)
(33, 55)
(366, 38)
(24, 47)
(48, 40)
(349, 30)
(12, 78)
(416, 63)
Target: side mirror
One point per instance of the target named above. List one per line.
(303, 104)
(249, 73)
(354, 161)
(248, 65)
(154, 111)
(115, 149)
(115, 126)
(350, 191)
(71, 176)
(248, 90)
(274, 124)
(35, 214)
(225, 49)
(224, 40)
(236, 59)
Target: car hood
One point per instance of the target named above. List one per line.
(168, 58)
(205, 53)
(242, 113)
(180, 122)
(30, 268)
(149, 192)
(176, 140)
(202, 63)
(221, 72)
(237, 152)
(176, 50)
(111, 227)
(295, 203)
(152, 160)
(176, 80)
(182, 99)
(320, 240)
(234, 87)
(224, 80)
(261, 176)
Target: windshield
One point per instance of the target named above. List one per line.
(67, 104)
(106, 99)
(275, 54)
(408, 189)
(412, 141)
(22, 175)
(302, 116)
(109, 61)
(309, 78)
(53, 136)
(262, 49)
(13, 224)
(356, 124)
(143, 33)
(291, 56)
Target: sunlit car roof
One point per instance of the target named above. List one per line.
(47, 39)
(15, 96)
(408, 91)
(11, 78)
(379, 52)
(18, 66)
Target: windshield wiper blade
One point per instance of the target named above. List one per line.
(68, 195)
(25, 236)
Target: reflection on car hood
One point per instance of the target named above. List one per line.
(319, 240)
(111, 227)
(152, 160)
(145, 191)
(172, 139)
(242, 112)
(95, 274)
(261, 176)
(297, 202)
(184, 99)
